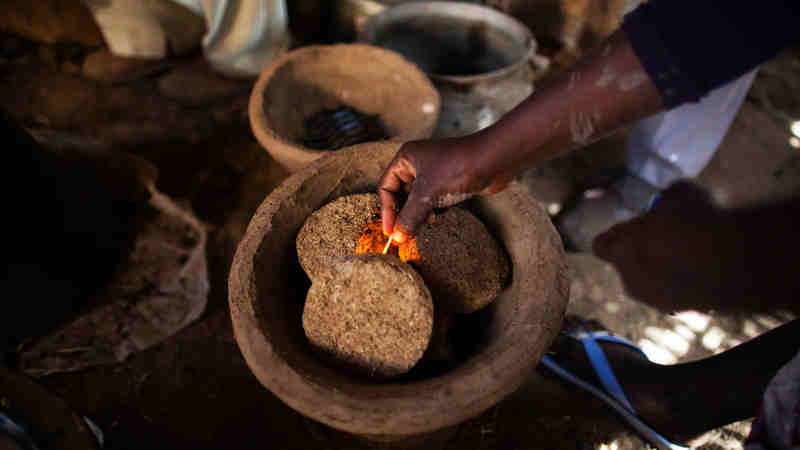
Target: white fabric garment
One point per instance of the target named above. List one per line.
(242, 36)
(245, 35)
(680, 142)
(145, 28)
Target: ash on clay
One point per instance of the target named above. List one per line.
(370, 313)
(333, 231)
(462, 264)
(332, 129)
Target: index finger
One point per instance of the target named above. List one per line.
(393, 184)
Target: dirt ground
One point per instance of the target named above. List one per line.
(195, 390)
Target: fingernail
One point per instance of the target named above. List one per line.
(399, 237)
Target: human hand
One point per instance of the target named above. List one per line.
(432, 174)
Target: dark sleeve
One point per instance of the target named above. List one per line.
(690, 47)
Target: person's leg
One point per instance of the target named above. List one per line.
(683, 401)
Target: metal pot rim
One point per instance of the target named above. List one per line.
(488, 15)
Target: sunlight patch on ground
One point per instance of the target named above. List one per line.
(750, 328)
(656, 353)
(767, 321)
(668, 339)
(685, 332)
(795, 128)
(613, 445)
(695, 320)
(713, 338)
(730, 343)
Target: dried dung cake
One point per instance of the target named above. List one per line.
(333, 231)
(464, 267)
(370, 313)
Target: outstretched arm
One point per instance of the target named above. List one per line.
(606, 90)
(667, 53)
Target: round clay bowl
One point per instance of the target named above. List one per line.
(306, 81)
(267, 289)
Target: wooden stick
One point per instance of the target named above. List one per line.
(388, 243)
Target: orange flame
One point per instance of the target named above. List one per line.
(372, 240)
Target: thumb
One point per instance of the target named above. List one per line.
(415, 212)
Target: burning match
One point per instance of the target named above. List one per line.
(388, 243)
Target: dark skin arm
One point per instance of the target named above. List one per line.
(605, 91)
(685, 253)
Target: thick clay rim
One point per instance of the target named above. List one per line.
(415, 407)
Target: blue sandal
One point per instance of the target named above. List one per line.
(611, 392)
